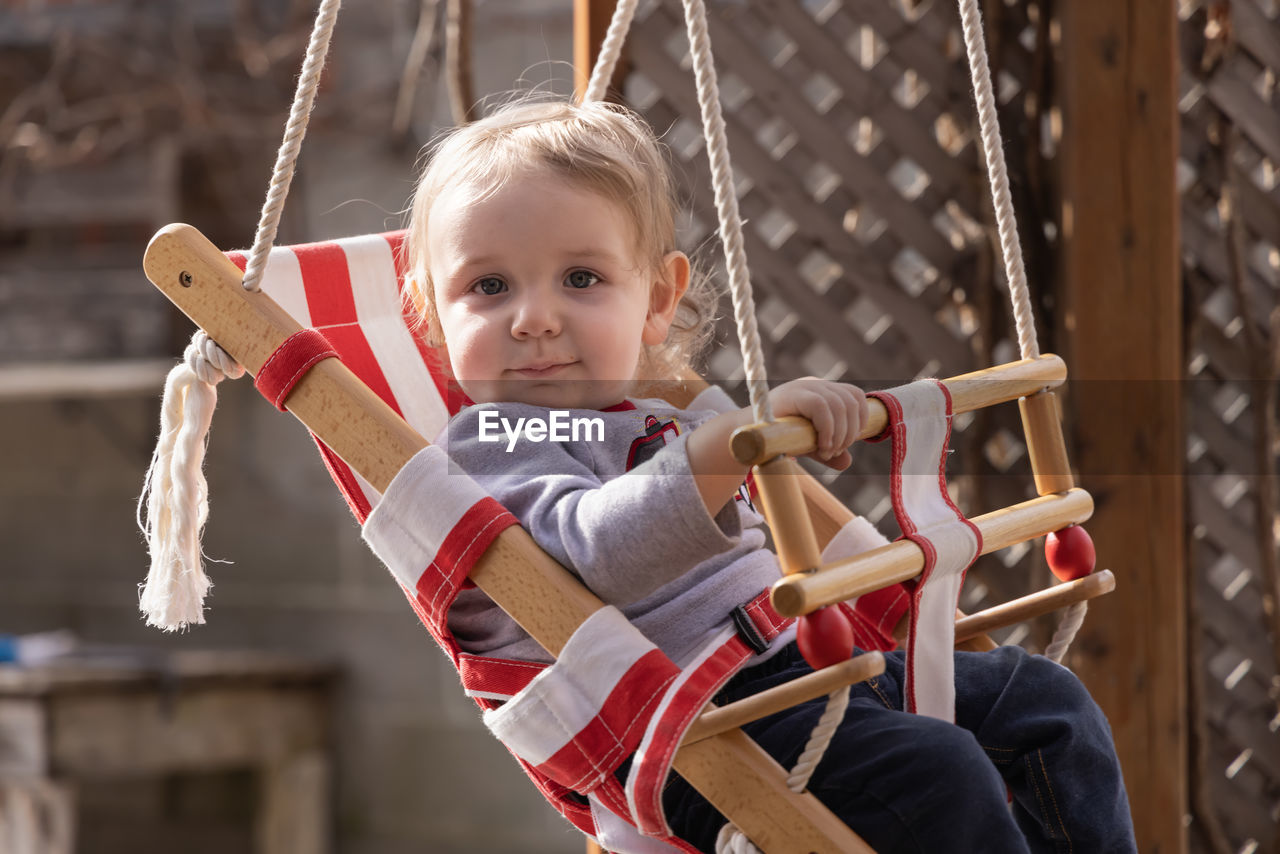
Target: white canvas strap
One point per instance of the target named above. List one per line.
(919, 430)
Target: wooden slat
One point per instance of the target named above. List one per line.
(1223, 442)
(902, 560)
(1256, 33)
(1211, 256)
(1227, 532)
(821, 51)
(817, 225)
(911, 45)
(784, 696)
(1236, 98)
(872, 185)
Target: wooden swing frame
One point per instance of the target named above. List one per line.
(719, 760)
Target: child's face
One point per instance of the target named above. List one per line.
(540, 296)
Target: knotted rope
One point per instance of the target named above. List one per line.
(174, 503)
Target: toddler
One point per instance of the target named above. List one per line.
(543, 263)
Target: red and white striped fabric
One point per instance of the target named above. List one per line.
(582, 716)
(434, 522)
(350, 290)
(920, 429)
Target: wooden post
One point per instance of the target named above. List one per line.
(590, 23)
(1122, 321)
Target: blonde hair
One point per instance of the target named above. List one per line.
(599, 147)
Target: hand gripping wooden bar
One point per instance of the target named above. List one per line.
(729, 769)
(756, 443)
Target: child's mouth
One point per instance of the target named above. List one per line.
(542, 370)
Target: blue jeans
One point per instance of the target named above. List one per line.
(909, 783)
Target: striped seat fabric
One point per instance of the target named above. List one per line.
(350, 290)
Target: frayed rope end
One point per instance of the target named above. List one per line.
(174, 503)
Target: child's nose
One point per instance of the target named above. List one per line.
(535, 317)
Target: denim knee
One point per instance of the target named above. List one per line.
(927, 786)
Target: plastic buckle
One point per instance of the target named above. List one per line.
(747, 629)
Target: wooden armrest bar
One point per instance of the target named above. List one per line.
(756, 443)
(897, 562)
(819, 683)
(1034, 604)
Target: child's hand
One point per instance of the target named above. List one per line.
(838, 412)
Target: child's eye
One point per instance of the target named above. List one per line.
(581, 279)
(491, 286)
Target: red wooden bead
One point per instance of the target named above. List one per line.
(1070, 553)
(825, 637)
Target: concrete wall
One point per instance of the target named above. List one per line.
(416, 769)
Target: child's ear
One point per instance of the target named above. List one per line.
(669, 286)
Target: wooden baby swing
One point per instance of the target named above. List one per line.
(367, 443)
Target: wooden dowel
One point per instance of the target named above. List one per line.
(779, 482)
(1046, 448)
(800, 594)
(801, 690)
(1034, 604)
(757, 442)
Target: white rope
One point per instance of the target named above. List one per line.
(1066, 632)
(174, 503)
(287, 157)
(704, 72)
(731, 840)
(209, 362)
(819, 740)
(734, 841)
(1014, 269)
(610, 50)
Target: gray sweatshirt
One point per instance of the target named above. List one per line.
(644, 542)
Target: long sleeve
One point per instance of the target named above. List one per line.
(625, 535)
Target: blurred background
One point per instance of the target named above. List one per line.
(1143, 151)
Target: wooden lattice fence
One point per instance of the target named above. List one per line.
(852, 130)
(1228, 177)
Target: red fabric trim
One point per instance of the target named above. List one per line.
(597, 749)
(503, 676)
(465, 543)
(289, 362)
(916, 588)
(942, 478)
(346, 481)
(653, 763)
(876, 614)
